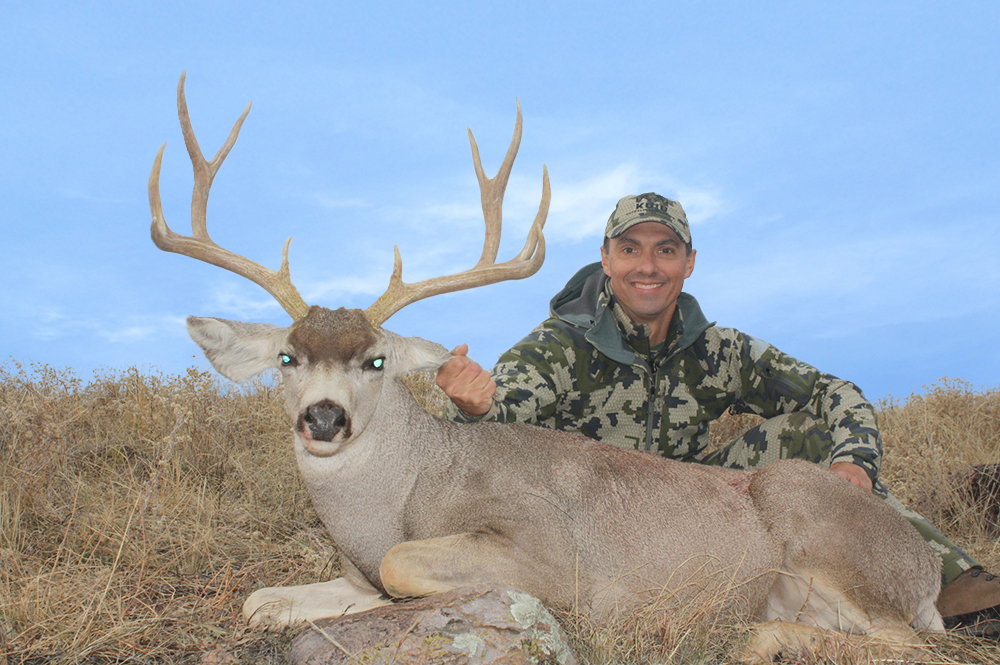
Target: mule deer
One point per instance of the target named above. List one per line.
(419, 505)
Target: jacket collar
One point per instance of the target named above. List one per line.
(585, 302)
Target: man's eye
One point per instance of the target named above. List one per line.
(286, 360)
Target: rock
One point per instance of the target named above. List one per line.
(217, 657)
(471, 625)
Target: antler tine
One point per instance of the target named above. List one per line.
(486, 271)
(492, 190)
(199, 245)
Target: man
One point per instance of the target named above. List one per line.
(628, 358)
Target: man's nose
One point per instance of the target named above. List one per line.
(646, 263)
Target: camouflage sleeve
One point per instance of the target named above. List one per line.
(529, 378)
(774, 383)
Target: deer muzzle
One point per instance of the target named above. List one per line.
(323, 421)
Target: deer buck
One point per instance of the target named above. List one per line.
(419, 505)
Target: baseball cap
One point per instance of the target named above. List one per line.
(648, 207)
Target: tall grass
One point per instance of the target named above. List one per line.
(138, 510)
(934, 438)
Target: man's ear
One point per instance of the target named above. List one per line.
(690, 263)
(413, 354)
(604, 260)
(236, 349)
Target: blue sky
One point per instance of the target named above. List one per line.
(838, 161)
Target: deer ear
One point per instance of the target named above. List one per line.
(236, 349)
(413, 354)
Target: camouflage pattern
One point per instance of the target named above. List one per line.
(590, 369)
(650, 207)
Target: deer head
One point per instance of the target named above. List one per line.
(334, 363)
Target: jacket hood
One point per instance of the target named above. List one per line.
(579, 304)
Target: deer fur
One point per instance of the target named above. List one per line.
(419, 505)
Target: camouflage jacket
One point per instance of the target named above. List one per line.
(590, 369)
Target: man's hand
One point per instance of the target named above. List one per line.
(853, 473)
(467, 384)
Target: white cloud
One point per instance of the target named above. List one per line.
(450, 212)
(580, 209)
(128, 334)
(52, 323)
(339, 290)
(243, 301)
(439, 236)
(334, 203)
(838, 286)
(701, 205)
(80, 193)
(130, 329)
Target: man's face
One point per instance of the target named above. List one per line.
(648, 265)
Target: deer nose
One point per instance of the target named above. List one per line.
(325, 420)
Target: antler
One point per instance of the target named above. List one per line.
(199, 245)
(399, 294)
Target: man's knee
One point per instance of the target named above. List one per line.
(796, 435)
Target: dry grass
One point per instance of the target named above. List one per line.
(933, 439)
(137, 511)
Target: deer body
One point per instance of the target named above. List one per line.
(420, 505)
(578, 510)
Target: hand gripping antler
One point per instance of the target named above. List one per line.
(486, 271)
(199, 244)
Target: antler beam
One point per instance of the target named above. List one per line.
(199, 245)
(486, 271)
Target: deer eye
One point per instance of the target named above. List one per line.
(376, 363)
(287, 360)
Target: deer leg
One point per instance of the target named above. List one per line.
(434, 565)
(769, 639)
(275, 608)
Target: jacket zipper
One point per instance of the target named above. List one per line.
(650, 400)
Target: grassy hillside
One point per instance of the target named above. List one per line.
(137, 511)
